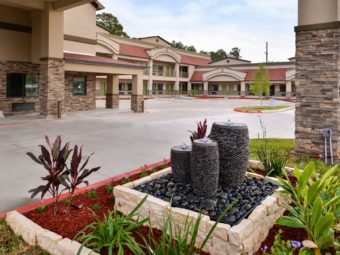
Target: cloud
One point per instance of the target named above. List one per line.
(214, 24)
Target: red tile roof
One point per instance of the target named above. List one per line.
(197, 76)
(133, 51)
(72, 57)
(190, 60)
(273, 74)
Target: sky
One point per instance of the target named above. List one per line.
(214, 24)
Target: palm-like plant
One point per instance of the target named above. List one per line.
(315, 204)
(114, 233)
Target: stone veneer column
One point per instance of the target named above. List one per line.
(52, 86)
(137, 101)
(112, 97)
(317, 79)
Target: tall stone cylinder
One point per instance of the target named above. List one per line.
(204, 167)
(180, 163)
(233, 146)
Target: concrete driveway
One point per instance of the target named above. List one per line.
(121, 140)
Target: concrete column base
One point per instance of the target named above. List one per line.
(137, 103)
(288, 94)
(112, 101)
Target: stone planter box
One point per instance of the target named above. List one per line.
(243, 238)
(49, 241)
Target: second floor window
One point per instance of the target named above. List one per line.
(158, 70)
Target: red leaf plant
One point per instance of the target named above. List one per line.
(77, 172)
(54, 161)
(201, 131)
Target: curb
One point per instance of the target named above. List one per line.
(47, 201)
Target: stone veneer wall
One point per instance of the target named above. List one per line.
(51, 86)
(16, 67)
(137, 103)
(317, 99)
(112, 101)
(80, 103)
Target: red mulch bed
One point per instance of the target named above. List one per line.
(70, 220)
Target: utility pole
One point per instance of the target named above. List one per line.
(266, 52)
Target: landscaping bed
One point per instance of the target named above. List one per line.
(261, 109)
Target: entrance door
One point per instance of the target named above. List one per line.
(272, 90)
(102, 88)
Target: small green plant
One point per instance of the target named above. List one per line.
(315, 204)
(153, 170)
(143, 173)
(113, 233)
(68, 201)
(109, 187)
(92, 194)
(282, 247)
(41, 208)
(180, 240)
(274, 161)
(126, 180)
(96, 207)
(113, 198)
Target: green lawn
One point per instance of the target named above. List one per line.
(10, 244)
(286, 145)
(265, 108)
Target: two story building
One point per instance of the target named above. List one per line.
(54, 58)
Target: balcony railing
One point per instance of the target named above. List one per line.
(183, 74)
(162, 73)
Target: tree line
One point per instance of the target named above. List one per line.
(112, 24)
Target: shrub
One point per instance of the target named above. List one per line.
(92, 194)
(180, 240)
(96, 207)
(281, 247)
(113, 233)
(315, 204)
(274, 161)
(143, 173)
(109, 188)
(54, 161)
(126, 180)
(201, 131)
(41, 208)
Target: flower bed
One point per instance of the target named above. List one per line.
(70, 220)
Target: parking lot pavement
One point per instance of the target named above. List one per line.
(120, 139)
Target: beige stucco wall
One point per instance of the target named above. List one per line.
(81, 21)
(15, 46)
(155, 40)
(79, 48)
(318, 11)
(14, 15)
(228, 61)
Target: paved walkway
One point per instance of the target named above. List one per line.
(121, 140)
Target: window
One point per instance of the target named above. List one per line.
(22, 85)
(121, 86)
(79, 86)
(129, 86)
